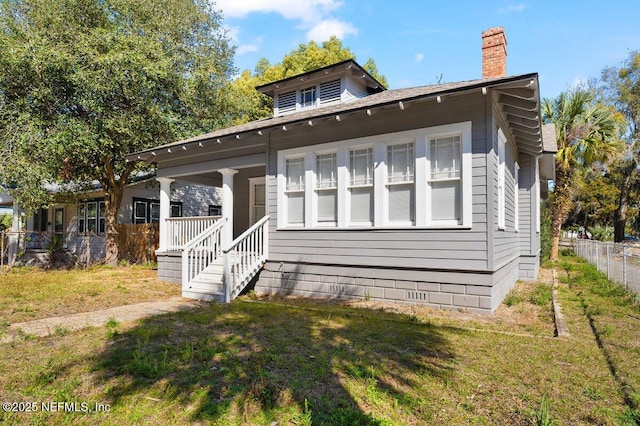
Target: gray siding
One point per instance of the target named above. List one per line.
(419, 249)
(241, 198)
(170, 267)
(503, 280)
(505, 241)
(529, 236)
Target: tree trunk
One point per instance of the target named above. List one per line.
(560, 206)
(620, 216)
(113, 199)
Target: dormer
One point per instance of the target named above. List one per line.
(334, 84)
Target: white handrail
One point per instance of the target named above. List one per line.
(201, 251)
(181, 230)
(245, 257)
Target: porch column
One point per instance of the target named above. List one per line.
(165, 211)
(14, 236)
(227, 205)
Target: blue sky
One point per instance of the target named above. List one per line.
(414, 42)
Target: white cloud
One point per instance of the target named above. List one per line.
(232, 33)
(579, 83)
(331, 27)
(418, 57)
(252, 47)
(313, 16)
(513, 8)
(290, 9)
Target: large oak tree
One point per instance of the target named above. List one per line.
(84, 82)
(622, 88)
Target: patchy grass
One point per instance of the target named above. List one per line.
(612, 318)
(302, 362)
(28, 294)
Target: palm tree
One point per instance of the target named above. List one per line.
(586, 133)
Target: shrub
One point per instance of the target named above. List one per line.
(601, 233)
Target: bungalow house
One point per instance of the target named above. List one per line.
(425, 195)
(81, 221)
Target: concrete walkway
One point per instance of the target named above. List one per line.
(49, 326)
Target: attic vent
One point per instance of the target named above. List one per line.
(287, 102)
(330, 92)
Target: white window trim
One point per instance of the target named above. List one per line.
(379, 144)
(282, 193)
(502, 146)
(348, 187)
(315, 90)
(314, 196)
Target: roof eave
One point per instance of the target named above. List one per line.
(271, 123)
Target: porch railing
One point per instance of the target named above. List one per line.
(245, 257)
(202, 251)
(182, 230)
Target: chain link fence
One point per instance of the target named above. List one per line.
(136, 244)
(621, 262)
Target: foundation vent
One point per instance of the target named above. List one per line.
(337, 289)
(418, 296)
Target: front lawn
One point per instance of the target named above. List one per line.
(29, 293)
(292, 361)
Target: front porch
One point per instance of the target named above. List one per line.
(215, 257)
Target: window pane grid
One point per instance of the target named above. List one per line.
(445, 158)
(400, 163)
(326, 171)
(361, 167)
(308, 96)
(295, 174)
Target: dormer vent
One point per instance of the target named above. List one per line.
(330, 92)
(287, 102)
(344, 81)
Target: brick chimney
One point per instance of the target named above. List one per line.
(494, 53)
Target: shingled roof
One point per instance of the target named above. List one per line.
(377, 100)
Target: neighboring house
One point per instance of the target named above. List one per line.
(426, 195)
(6, 202)
(83, 222)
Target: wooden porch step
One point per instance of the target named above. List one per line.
(207, 285)
(203, 294)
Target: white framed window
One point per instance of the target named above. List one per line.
(308, 97)
(445, 180)
(361, 193)
(381, 181)
(295, 188)
(502, 143)
(327, 188)
(400, 183)
(516, 189)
